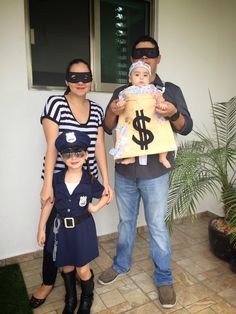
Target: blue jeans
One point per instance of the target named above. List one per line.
(154, 193)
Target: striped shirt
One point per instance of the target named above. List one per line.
(58, 110)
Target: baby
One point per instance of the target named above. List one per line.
(139, 77)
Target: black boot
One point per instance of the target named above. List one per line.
(71, 296)
(86, 298)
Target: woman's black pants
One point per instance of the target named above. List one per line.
(49, 267)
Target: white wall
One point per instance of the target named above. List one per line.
(198, 47)
(198, 44)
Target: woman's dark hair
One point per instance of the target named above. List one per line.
(72, 62)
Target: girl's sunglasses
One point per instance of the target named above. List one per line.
(68, 155)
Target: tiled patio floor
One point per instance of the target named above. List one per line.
(203, 283)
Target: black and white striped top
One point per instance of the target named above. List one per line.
(58, 110)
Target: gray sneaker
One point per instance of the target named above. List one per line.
(167, 296)
(109, 276)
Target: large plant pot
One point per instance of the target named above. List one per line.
(220, 246)
(233, 264)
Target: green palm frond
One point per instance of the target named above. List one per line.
(206, 165)
(224, 117)
(192, 178)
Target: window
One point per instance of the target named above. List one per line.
(100, 31)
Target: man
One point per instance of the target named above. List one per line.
(149, 182)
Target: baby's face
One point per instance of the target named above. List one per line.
(139, 77)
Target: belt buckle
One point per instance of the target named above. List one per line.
(69, 222)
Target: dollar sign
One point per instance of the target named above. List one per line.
(145, 136)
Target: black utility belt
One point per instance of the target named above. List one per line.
(71, 222)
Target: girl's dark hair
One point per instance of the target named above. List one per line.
(72, 62)
(89, 171)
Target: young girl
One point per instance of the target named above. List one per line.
(73, 240)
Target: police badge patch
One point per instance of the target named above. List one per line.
(83, 201)
(70, 137)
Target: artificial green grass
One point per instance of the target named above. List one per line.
(13, 294)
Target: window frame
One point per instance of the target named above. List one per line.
(95, 48)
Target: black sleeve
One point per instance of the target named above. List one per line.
(113, 97)
(174, 95)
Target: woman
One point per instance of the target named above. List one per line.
(71, 111)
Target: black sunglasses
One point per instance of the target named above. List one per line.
(68, 155)
(76, 77)
(138, 53)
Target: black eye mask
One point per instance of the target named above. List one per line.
(138, 53)
(76, 77)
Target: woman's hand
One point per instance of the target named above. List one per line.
(41, 237)
(108, 192)
(46, 194)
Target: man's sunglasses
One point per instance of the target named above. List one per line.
(139, 53)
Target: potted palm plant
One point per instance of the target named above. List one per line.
(208, 165)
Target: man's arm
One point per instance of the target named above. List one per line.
(184, 123)
(113, 110)
(177, 119)
(110, 120)
(176, 110)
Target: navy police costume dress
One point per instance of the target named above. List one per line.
(75, 246)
